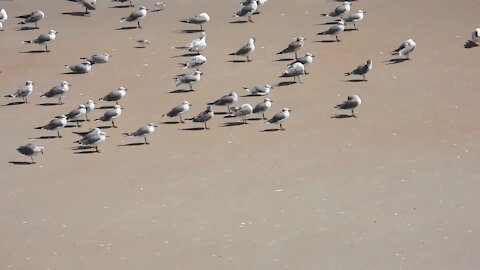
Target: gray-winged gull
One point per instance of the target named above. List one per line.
(188, 79)
(111, 115)
(305, 60)
(246, 49)
(335, 30)
(137, 15)
(23, 91)
(77, 114)
(57, 123)
(226, 100)
(361, 70)
(341, 10)
(58, 91)
(294, 70)
(143, 132)
(405, 48)
(44, 39)
(263, 106)
(195, 62)
(199, 19)
(259, 90)
(351, 103)
(248, 9)
(294, 46)
(115, 95)
(242, 111)
(30, 150)
(33, 17)
(280, 117)
(178, 111)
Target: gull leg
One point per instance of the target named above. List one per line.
(281, 127)
(146, 140)
(206, 125)
(33, 161)
(248, 59)
(46, 48)
(191, 88)
(113, 124)
(36, 27)
(338, 40)
(58, 134)
(96, 149)
(181, 120)
(138, 23)
(296, 57)
(78, 125)
(263, 116)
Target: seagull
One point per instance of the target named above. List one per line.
(93, 140)
(123, 1)
(56, 124)
(144, 43)
(98, 58)
(115, 95)
(280, 117)
(476, 35)
(361, 70)
(3, 18)
(58, 91)
(262, 107)
(259, 3)
(294, 46)
(194, 62)
(259, 90)
(89, 106)
(354, 18)
(88, 4)
(242, 111)
(30, 150)
(143, 132)
(89, 133)
(226, 100)
(198, 19)
(351, 103)
(44, 39)
(294, 71)
(405, 48)
(248, 9)
(343, 9)
(203, 116)
(76, 114)
(33, 17)
(137, 15)
(335, 30)
(159, 6)
(178, 110)
(23, 91)
(305, 60)
(111, 115)
(197, 44)
(246, 49)
(84, 67)
(189, 79)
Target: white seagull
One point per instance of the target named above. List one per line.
(199, 19)
(405, 48)
(88, 5)
(294, 70)
(247, 49)
(93, 140)
(194, 62)
(23, 91)
(354, 18)
(294, 46)
(178, 111)
(98, 58)
(44, 39)
(137, 15)
(341, 10)
(335, 30)
(189, 79)
(56, 124)
(280, 117)
(33, 17)
(77, 114)
(204, 116)
(351, 103)
(476, 35)
(262, 107)
(143, 132)
(248, 9)
(111, 115)
(58, 91)
(226, 100)
(115, 95)
(3, 18)
(261, 90)
(197, 44)
(242, 111)
(361, 70)
(305, 60)
(30, 150)
(84, 67)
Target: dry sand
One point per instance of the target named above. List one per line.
(395, 188)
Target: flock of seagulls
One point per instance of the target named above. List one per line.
(296, 68)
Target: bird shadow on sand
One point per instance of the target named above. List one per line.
(256, 119)
(105, 127)
(180, 91)
(284, 59)
(327, 23)
(237, 61)
(35, 51)
(76, 13)
(170, 122)
(105, 107)
(287, 83)
(350, 29)
(46, 137)
(21, 163)
(132, 144)
(188, 31)
(71, 73)
(327, 41)
(395, 61)
(342, 116)
(86, 152)
(47, 104)
(470, 44)
(233, 124)
(355, 80)
(271, 130)
(126, 28)
(221, 113)
(235, 22)
(121, 6)
(185, 55)
(26, 28)
(140, 47)
(193, 129)
(250, 95)
(13, 103)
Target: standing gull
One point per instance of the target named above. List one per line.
(204, 116)
(194, 62)
(262, 107)
(23, 91)
(199, 19)
(89, 106)
(143, 132)
(476, 35)
(351, 103)
(189, 79)
(261, 90)
(242, 111)
(98, 58)
(248, 9)
(77, 114)
(137, 15)
(81, 68)
(33, 17)
(259, 3)
(58, 91)
(44, 39)
(294, 71)
(305, 60)
(341, 10)
(93, 140)
(405, 48)
(280, 117)
(361, 70)
(226, 100)
(294, 46)
(335, 30)
(111, 115)
(115, 95)
(247, 49)
(30, 150)
(88, 5)
(197, 44)
(56, 124)
(3, 18)
(354, 18)
(178, 110)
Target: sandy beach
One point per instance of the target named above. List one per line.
(395, 188)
